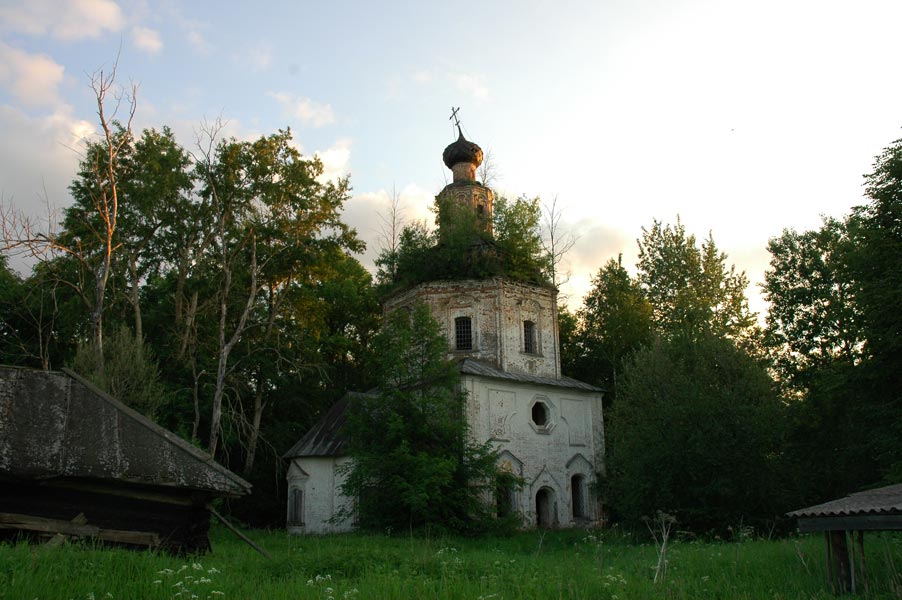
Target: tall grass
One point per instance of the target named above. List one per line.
(563, 564)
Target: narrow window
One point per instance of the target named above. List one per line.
(296, 507)
(577, 499)
(463, 333)
(529, 337)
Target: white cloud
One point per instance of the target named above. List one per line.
(43, 160)
(199, 42)
(365, 212)
(259, 57)
(68, 21)
(305, 109)
(336, 160)
(147, 39)
(33, 79)
(423, 76)
(470, 84)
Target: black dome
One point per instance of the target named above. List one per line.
(462, 151)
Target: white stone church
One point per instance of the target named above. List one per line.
(547, 428)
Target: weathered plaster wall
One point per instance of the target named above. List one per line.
(320, 479)
(571, 443)
(498, 307)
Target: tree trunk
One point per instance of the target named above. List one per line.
(259, 405)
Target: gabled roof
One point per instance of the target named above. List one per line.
(880, 501)
(59, 425)
(470, 366)
(326, 438)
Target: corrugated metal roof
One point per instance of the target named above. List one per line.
(60, 425)
(326, 438)
(879, 501)
(470, 366)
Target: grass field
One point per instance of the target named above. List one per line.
(561, 564)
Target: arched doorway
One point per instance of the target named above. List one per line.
(545, 509)
(578, 497)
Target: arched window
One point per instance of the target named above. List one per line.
(296, 507)
(578, 496)
(463, 333)
(545, 509)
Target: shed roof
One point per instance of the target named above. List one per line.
(885, 500)
(57, 424)
(326, 438)
(470, 366)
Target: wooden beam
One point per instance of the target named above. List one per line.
(45, 525)
(851, 523)
(234, 530)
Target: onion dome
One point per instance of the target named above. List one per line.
(462, 151)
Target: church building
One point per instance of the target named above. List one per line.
(503, 333)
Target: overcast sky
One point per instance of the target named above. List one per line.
(743, 118)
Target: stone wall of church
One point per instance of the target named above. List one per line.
(550, 436)
(498, 310)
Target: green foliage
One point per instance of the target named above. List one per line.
(813, 320)
(695, 432)
(614, 322)
(128, 371)
(461, 248)
(413, 464)
(526, 566)
(834, 330)
(690, 289)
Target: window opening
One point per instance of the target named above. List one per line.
(463, 333)
(577, 498)
(545, 508)
(296, 507)
(504, 499)
(529, 337)
(540, 414)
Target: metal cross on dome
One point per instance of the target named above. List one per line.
(454, 116)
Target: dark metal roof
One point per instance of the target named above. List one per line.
(462, 150)
(326, 438)
(880, 501)
(471, 366)
(56, 424)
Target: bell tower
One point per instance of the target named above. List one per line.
(464, 192)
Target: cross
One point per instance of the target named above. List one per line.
(454, 116)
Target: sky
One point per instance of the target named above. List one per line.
(739, 118)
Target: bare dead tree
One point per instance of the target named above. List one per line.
(488, 172)
(23, 234)
(557, 241)
(392, 223)
(226, 259)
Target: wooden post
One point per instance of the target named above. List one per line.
(864, 576)
(840, 571)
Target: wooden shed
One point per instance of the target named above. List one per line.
(844, 522)
(76, 462)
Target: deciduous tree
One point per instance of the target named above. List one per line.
(413, 464)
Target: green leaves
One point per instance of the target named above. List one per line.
(461, 248)
(694, 432)
(413, 465)
(689, 287)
